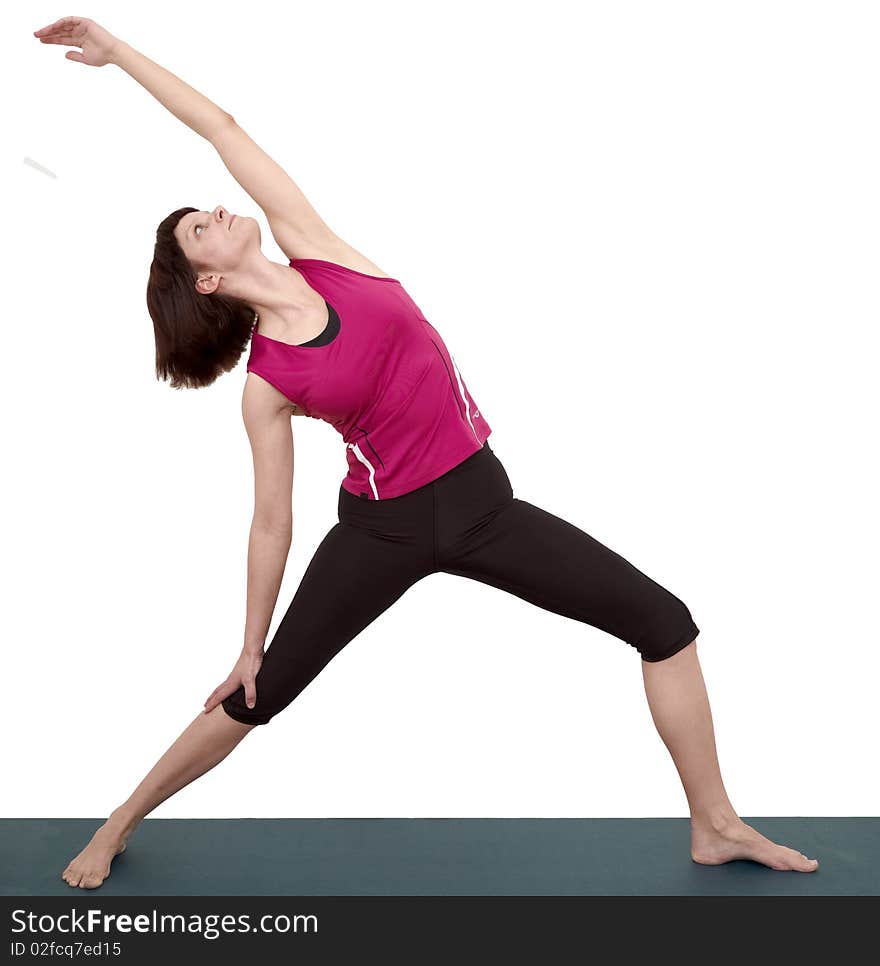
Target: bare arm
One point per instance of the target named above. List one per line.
(98, 47)
(268, 425)
(267, 419)
(184, 102)
(297, 228)
(295, 225)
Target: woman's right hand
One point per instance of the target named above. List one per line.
(244, 672)
(96, 42)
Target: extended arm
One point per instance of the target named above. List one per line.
(264, 180)
(268, 427)
(184, 102)
(295, 225)
(297, 228)
(271, 437)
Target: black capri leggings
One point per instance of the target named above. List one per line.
(466, 522)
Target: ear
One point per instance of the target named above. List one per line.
(206, 284)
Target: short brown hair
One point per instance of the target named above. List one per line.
(198, 337)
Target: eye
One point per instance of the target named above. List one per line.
(196, 230)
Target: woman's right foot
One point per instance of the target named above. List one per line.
(92, 866)
(736, 840)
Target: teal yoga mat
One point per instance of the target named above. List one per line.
(435, 856)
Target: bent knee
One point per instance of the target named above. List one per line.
(237, 709)
(669, 631)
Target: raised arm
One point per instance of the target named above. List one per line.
(297, 228)
(99, 47)
(295, 225)
(265, 181)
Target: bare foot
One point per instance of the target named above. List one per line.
(92, 866)
(736, 840)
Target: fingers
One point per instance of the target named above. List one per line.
(52, 36)
(218, 694)
(213, 693)
(213, 702)
(228, 686)
(67, 31)
(65, 24)
(60, 39)
(250, 692)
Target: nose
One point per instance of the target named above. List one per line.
(223, 217)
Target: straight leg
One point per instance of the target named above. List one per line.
(205, 743)
(353, 577)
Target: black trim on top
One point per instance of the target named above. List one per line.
(331, 330)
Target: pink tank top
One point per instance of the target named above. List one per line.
(386, 383)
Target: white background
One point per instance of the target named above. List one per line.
(648, 232)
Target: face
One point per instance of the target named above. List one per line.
(215, 242)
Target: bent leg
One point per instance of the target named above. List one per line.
(553, 564)
(354, 575)
(547, 561)
(680, 708)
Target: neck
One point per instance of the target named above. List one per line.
(280, 296)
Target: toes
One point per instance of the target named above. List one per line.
(803, 863)
(794, 861)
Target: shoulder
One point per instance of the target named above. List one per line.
(262, 402)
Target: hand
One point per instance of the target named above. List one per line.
(97, 44)
(244, 672)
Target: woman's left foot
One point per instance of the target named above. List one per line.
(736, 840)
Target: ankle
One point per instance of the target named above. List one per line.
(123, 822)
(719, 818)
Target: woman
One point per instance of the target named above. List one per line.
(338, 339)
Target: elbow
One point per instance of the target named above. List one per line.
(280, 527)
(223, 123)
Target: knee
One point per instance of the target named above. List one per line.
(670, 630)
(234, 705)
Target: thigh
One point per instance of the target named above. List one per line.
(352, 578)
(553, 564)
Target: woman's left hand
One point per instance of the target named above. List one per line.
(243, 674)
(96, 42)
